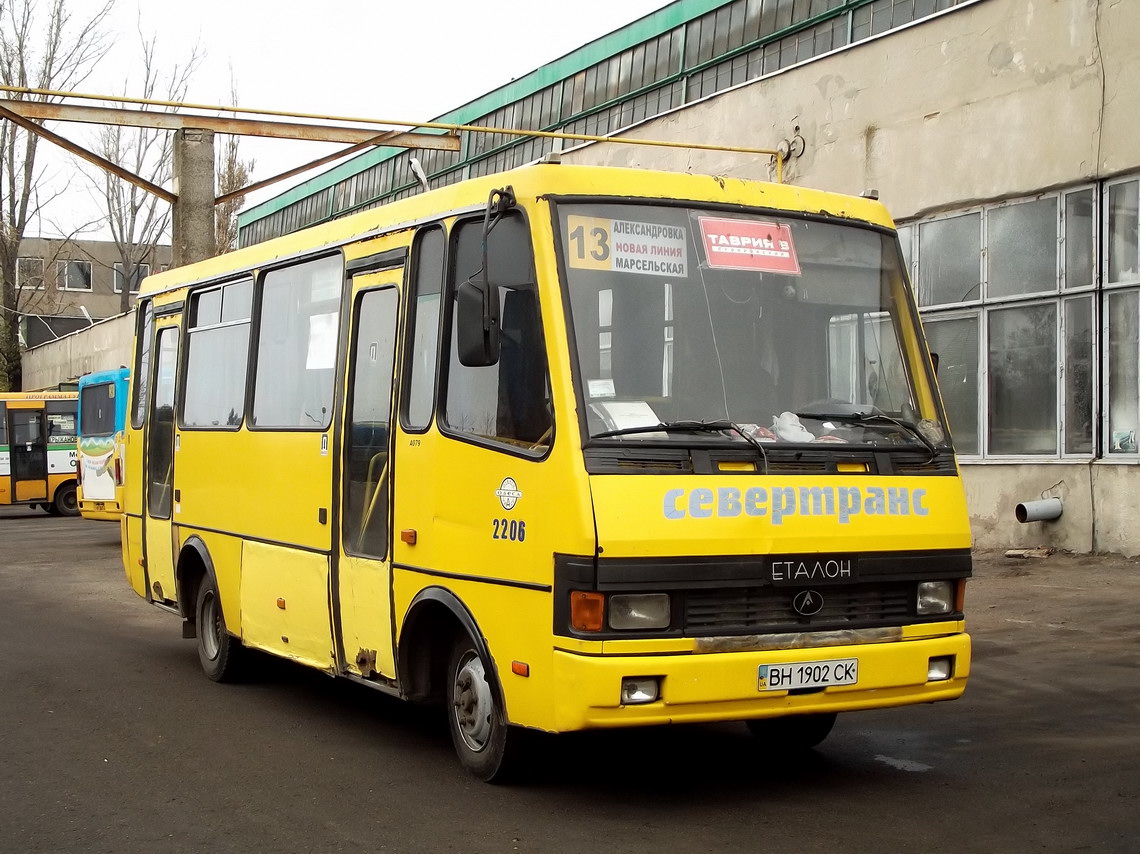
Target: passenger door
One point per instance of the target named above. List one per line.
(28, 453)
(362, 583)
(158, 481)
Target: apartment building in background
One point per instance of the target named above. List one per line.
(67, 285)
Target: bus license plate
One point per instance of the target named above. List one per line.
(808, 674)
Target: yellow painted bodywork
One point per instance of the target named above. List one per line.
(264, 504)
(43, 490)
(102, 510)
(284, 603)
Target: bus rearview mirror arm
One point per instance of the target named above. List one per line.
(477, 309)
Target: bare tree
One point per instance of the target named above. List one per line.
(40, 48)
(232, 173)
(137, 219)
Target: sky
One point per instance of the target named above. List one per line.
(368, 58)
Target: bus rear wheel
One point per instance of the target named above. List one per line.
(486, 745)
(219, 652)
(793, 733)
(66, 501)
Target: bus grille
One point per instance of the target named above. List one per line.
(756, 610)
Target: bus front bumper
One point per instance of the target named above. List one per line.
(725, 686)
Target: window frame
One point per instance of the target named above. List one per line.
(1059, 296)
(443, 357)
(1105, 245)
(979, 410)
(408, 327)
(118, 274)
(43, 270)
(255, 342)
(61, 281)
(355, 307)
(188, 331)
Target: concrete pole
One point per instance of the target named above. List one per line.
(193, 215)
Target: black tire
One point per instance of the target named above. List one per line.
(220, 653)
(66, 501)
(486, 745)
(793, 733)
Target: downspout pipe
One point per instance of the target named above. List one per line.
(1045, 510)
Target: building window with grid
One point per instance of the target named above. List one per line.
(140, 272)
(1121, 322)
(1008, 299)
(73, 275)
(30, 274)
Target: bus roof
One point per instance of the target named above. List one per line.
(96, 377)
(532, 181)
(39, 395)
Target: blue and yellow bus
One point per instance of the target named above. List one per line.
(102, 412)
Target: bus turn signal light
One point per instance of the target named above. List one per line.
(587, 611)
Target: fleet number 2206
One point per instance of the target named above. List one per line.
(509, 529)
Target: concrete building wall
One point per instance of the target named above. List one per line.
(105, 345)
(54, 297)
(995, 100)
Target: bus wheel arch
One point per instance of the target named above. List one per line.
(65, 501)
(194, 564)
(435, 618)
(220, 653)
(486, 744)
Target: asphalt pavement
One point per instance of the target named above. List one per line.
(113, 741)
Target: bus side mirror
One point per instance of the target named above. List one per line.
(477, 324)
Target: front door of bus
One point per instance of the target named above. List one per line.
(159, 462)
(28, 453)
(363, 580)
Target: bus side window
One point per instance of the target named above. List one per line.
(366, 447)
(423, 339)
(297, 345)
(510, 400)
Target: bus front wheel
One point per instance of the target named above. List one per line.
(795, 732)
(485, 743)
(219, 652)
(65, 503)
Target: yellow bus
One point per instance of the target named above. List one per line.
(561, 448)
(37, 450)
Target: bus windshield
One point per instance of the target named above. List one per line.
(791, 330)
(97, 410)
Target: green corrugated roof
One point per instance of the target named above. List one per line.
(648, 27)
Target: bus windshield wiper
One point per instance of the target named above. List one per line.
(691, 427)
(670, 427)
(874, 418)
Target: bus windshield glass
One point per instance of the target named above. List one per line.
(791, 330)
(97, 410)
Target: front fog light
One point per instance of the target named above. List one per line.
(636, 690)
(940, 669)
(639, 611)
(935, 597)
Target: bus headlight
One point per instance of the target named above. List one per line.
(639, 611)
(935, 597)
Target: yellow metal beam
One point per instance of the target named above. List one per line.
(453, 128)
(41, 111)
(79, 151)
